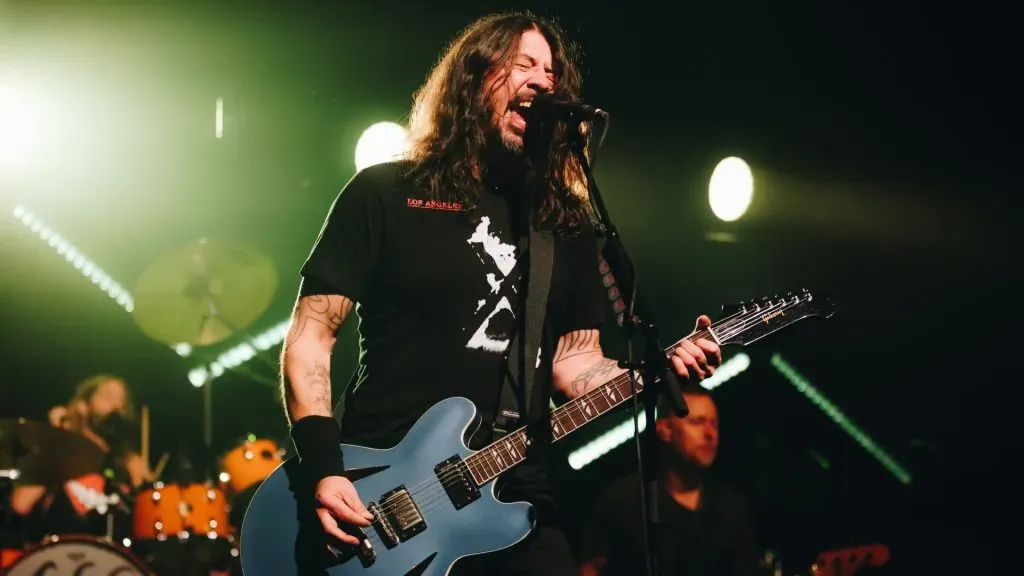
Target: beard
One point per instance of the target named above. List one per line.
(512, 144)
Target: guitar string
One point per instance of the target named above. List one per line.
(485, 468)
(489, 462)
(727, 328)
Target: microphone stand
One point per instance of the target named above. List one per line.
(653, 364)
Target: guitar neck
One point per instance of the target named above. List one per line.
(746, 324)
(507, 452)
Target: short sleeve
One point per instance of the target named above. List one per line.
(343, 256)
(585, 305)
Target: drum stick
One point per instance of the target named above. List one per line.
(160, 465)
(145, 435)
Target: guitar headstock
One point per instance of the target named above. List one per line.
(747, 322)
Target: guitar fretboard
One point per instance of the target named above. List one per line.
(495, 459)
(752, 322)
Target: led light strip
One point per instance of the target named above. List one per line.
(229, 359)
(80, 261)
(240, 354)
(623, 431)
(837, 416)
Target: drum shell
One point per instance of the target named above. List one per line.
(69, 553)
(251, 463)
(170, 510)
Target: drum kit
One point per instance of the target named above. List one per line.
(201, 294)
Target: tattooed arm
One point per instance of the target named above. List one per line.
(306, 354)
(579, 364)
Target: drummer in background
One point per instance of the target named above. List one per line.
(101, 410)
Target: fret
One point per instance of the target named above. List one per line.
(558, 426)
(498, 459)
(599, 399)
(571, 410)
(611, 394)
(488, 465)
(556, 429)
(513, 457)
(478, 476)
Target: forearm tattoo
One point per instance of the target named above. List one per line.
(599, 370)
(313, 313)
(577, 343)
(318, 381)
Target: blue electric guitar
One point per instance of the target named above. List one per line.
(433, 498)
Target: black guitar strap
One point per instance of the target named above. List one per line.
(523, 355)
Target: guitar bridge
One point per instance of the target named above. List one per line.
(397, 518)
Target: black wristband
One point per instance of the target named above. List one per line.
(316, 440)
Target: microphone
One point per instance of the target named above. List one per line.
(547, 106)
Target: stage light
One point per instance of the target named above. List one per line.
(20, 120)
(858, 435)
(731, 189)
(76, 258)
(218, 119)
(240, 354)
(382, 142)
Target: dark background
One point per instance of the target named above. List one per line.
(874, 131)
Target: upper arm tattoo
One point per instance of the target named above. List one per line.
(576, 343)
(328, 310)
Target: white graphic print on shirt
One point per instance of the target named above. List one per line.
(493, 334)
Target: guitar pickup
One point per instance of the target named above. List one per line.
(457, 481)
(397, 518)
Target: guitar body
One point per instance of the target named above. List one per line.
(280, 537)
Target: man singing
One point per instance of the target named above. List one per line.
(427, 250)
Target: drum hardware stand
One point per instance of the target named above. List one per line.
(212, 314)
(176, 302)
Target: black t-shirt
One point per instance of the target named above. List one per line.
(716, 539)
(438, 289)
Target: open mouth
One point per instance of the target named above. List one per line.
(519, 112)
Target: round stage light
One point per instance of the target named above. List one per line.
(731, 189)
(382, 142)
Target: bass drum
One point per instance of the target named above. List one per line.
(77, 556)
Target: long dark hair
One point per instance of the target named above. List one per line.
(85, 390)
(450, 119)
(119, 429)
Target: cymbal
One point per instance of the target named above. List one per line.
(203, 292)
(44, 454)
